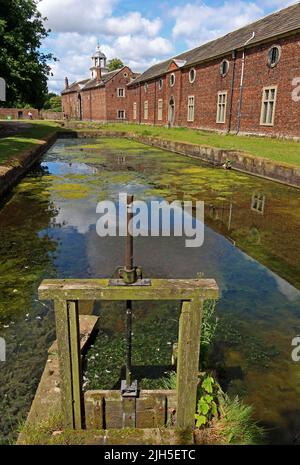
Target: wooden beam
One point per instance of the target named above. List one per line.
(188, 362)
(99, 289)
(65, 367)
(75, 364)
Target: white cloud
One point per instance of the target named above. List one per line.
(95, 17)
(132, 23)
(198, 23)
(74, 53)
(76, 15)
(78, 25)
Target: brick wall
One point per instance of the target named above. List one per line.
(208, 82)
(70, 105)
(18, 113)
(115, 103)
(100, 103)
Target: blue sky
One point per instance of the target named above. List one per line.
(141, 33)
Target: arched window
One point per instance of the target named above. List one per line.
(172, 79)
(160, 84)
(146, 86)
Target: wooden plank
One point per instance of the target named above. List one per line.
(151, 411)
(99, 289)
(188, 362)
(113, 412)
(87, 324)
(75, 363)
(65, 370)
(129, 412)
(94, 411)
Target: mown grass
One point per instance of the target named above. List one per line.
(283, 151)
(13, 146)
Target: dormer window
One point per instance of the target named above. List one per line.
(274, 55)
(172, 79)
(224, 68)
(192, 75)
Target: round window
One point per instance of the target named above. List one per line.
(192, 75)
(125, 75)
(274, 55)
(224, 67)
(172, 79)
(160, 84)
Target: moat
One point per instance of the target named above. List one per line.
(48, 230)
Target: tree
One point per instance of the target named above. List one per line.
(22, 64)
(115, 63)
(53, 102)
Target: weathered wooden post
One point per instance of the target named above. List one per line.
(188, 362)
(67, 331)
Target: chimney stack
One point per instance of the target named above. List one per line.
(66, 83)
(98, 74)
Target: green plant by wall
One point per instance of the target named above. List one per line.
(207, 406)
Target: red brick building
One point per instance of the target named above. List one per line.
(247, 81)
(102, 97)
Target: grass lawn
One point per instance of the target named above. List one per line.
(284, 151)
(13, 146)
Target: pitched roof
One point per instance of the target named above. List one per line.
(273, 25)
(91, 83)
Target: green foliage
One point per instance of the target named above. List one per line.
(53, 102)
(207, 408)
(114, 64)
(169, 382)
(22, 64)
(209, 326)
(238, 426)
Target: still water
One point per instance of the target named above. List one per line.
(47, 230)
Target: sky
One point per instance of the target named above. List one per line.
(140, 33)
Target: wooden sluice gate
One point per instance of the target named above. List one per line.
(128, 407)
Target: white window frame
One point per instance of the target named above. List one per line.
(191, 109)
(221, 107)
(160, 84)
(268, 103)
(160, 106)
(134, 115)
(123, 92)
(124, 113)
(146, 109)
